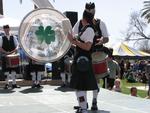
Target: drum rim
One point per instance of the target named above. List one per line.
(21, 45)
(101, 60)
(13, 55)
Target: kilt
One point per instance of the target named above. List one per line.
(37, 67)
(83, 80)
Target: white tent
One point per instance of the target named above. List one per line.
(13, 23)
(123, 50)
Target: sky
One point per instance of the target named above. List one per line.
(115, 13)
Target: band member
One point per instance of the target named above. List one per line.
(66, 64)
(83, 78)
(101, 37)
(62, 71)
(9, 45)
(36, 70)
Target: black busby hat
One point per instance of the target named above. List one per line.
(5, 26)
(90, 7)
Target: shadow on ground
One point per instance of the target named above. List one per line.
(32, 90)
(98, 111)
(6, 91)
(64, 89)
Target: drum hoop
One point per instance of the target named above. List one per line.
(102, 75)
(35, 10)
(97, 62)
(101, 58)
(12, 55)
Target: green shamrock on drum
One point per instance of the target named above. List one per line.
(47, 35)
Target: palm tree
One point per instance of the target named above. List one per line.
(146, 10)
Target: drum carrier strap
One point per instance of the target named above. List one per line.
(80, 51)
(98, 34)
(83, 57)
(96, 27)
(83, 29)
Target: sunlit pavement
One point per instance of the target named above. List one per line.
(54, 99)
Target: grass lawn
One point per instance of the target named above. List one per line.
(126, 90)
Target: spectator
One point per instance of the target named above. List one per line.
(135, 68)
(148, 95)
(144, 78)
(117, 85)
(128, 65)
(133, 91)
(122, 69)
(147, 70)
(131, 78)
(142, 66)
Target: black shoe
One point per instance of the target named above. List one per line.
(94, 105)
(38, 86)
(33, 86)
(87, 105)
(15, 86)
(80, 110)
(63, 86)
(6, 86)
(78, 107)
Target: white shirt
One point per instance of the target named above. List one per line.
(88, 34)
(102, 25)
(15, 41)
(103, 29)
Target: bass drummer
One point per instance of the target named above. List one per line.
(37, 70)
(101, 37)
(8, 45)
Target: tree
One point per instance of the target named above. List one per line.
(145, 46)
(146, 11)
(137, 28)
(138, 31)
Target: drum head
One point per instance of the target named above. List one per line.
(98, 57)
(43, 35)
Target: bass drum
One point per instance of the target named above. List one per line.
(43, 35)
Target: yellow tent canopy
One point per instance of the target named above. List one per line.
(125, 50)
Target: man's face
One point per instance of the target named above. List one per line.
(6, 30)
